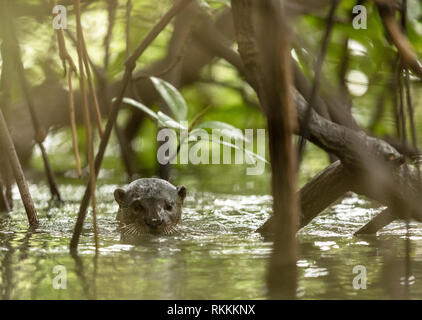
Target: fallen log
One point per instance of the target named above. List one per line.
(381, 220)
(333, 182)
(369, 167)
(320, 192)
(355, 148)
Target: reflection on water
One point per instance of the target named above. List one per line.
(216, 256)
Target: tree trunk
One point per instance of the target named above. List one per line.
(320, 192)
(265, 52)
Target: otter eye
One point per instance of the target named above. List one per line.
(169, 206)
(137, 205)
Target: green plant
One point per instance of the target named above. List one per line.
(179, 109)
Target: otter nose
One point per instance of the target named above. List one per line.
(153, 222)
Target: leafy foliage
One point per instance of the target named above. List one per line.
(179, 108)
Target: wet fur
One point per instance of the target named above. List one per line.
(146, 200)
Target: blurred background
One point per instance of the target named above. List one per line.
(219, 255)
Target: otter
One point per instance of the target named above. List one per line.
(149, 206)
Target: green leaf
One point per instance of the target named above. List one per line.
(168, 122)
(255, 156)
(203, 4)
(249, 154)
(141, 107)
(172, 97)
(234, 132)
(225, 2)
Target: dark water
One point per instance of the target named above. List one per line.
(217, 255)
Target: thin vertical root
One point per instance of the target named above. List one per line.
(18, 173)
(91, 86)
(73, 124)
(66, 58)
(92, 91)
(87, 120)
(111, 8)
(318, 69)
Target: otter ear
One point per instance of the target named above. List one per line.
(119, 195)
(181, 191)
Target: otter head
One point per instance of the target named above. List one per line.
(149, 206)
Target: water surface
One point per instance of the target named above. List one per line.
(217, 255)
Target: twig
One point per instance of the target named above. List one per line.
(87, 62)
(171, 66)
(345, 59)
(6, 74)
(318, 69)
(239, 89)
(92, 87)
(73, 125)
(87, 120)
(129, 67)
(18, 173)
(401, 126)
(405, 80)
(409, 57)
(178, 57)
(66, 58)
(40, 133)
(98, 72)
(128, 13)
(410, 110)
(4, 202)
(111, 8)
(125, 150)
(198, 117)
